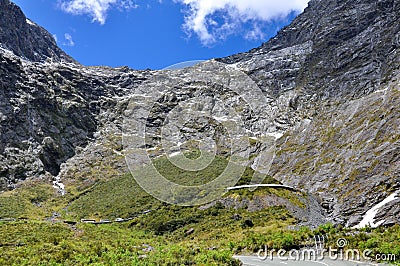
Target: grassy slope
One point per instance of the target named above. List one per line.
(216, 233)
(43, 243)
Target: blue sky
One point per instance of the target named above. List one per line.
(157, 33)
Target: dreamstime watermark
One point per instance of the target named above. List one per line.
(317, 254)
(215, 106)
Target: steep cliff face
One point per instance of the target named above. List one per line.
(327, 87)
(335, 49)
(347, 154)
(25, 38)
(48, 111)
(337, 68)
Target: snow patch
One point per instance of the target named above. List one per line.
(382, 90)
(233, 66)
(276, 135)
(221, 118)
(30, 22)
(369, 216)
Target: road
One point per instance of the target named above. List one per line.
(262, 185)
(254, 261)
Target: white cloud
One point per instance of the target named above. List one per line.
(213, 20)
(97, 9)
(69, 40)
(210, 20)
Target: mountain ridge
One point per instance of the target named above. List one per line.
(62, 121)
(27, 39)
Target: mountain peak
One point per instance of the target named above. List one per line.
(25, 38)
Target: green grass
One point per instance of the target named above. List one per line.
(217, 234)
(216, 237)
(26, 201)
(45, 243)
(122, 197)
(117, 197)
(190, 178)
(177, 235)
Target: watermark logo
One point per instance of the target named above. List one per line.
(319, 252)
(341, 242)
(213, 107)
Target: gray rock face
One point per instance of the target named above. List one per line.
(337, 68)
(348, 155)
(328, 83)
(335, 49)
(49, 110)
(25, 38)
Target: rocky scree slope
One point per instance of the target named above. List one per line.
(63, 120)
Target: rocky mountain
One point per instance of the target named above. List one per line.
(325, 88)
(27, 39)
(337, 66)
